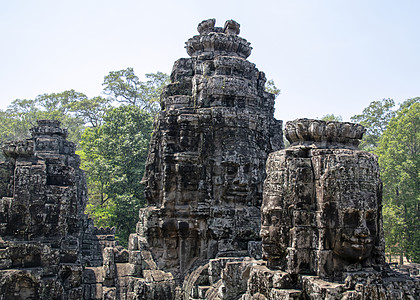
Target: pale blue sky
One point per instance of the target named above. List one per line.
(331, 56)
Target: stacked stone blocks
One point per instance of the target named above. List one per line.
(212, 196)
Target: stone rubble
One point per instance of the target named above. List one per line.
(229, 214)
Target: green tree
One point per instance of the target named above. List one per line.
(91, 111)
(271, 87)
(125, 87)
(22, 114)
(394, 229)
(76, 111)
(332, 117)
(399, 158)
(18, 118)
(114, 157)
(375, 119)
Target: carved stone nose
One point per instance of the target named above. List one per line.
(362, 231)
(242, 182)
(240, 178)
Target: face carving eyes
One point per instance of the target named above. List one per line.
(371, 220)
(351, 218)
(232, 169)
(242, 173)
(239, 180)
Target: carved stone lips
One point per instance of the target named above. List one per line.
(238, 190)
(358, 243)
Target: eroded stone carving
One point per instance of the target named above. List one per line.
(321, 221)
(49, 249)
(214, 41)
(322, 201)
(205, 170)
(321, 214)
(41, 217)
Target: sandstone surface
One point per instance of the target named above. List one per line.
(206, 165)
(222, 220)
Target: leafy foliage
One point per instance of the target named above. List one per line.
(332, 117)
(375, 119)
(21, 115)
(125, 87)
(399, 158)
(270, 87)
(91, 111)
(394, 224)
(114, 156)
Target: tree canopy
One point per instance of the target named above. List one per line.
(375, 118)
(332, 117)
(125, 87)
(22, 114)
(394, 136)
(399, 157)
(114, 156)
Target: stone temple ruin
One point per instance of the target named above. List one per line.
(230, 215)
(206, 166)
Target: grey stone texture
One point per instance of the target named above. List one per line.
(206, 165)
(49, 249)
(322, 232)
(321, 198)
(222, 221)
(41, 217)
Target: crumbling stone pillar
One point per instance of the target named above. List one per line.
(206, 164)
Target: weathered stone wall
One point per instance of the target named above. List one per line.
(49, 249)
(95, 240)
(321, 200)
(205, 170)
(6, 179)
(41, 217)
(322, 235)
(321, 230)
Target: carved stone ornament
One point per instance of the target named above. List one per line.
(229, 215)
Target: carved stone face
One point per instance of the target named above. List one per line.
(236, 178)
(241, 181)
(348, 190)
(320, 211)
(274, 232)
(354, 238)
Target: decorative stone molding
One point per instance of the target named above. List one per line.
(324, 134)
(218, 41)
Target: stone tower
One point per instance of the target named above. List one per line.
(322, 201)
(42, 200)
(321, 219)
(206, 165)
